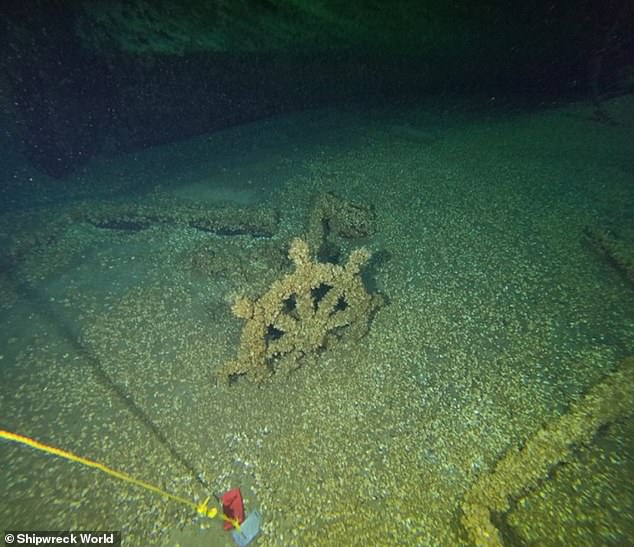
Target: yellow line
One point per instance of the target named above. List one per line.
(202, 508)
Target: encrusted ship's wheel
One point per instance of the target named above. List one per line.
(301, 314)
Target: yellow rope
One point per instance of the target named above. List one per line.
(201, 508)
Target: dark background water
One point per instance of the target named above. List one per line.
(86, 78)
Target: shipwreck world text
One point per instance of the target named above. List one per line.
(78, 538)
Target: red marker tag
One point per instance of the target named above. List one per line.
(233, 507)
